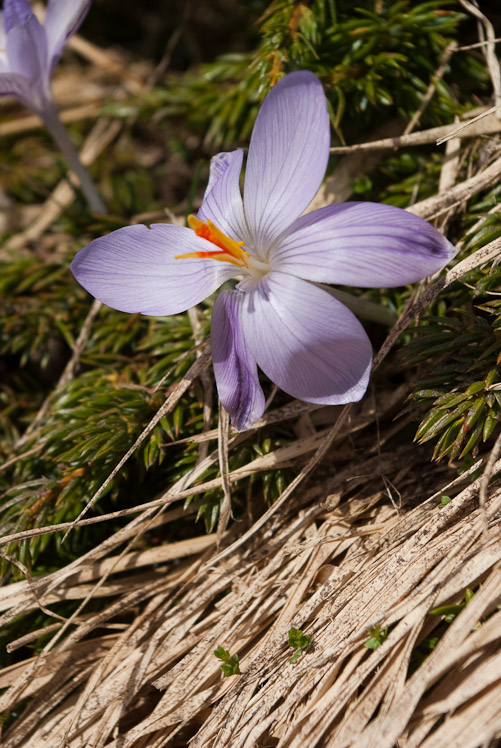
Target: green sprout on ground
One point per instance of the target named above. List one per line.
(230, 664)
(299, 641)
(449, 612)
(378, 635)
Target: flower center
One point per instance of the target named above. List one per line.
(229, 250)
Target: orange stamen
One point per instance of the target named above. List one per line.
(230, 250)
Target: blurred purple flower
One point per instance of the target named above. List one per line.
(29, 52)
(306, 341)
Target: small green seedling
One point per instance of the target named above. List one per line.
(299, 642)
(449, 612)
(230, 662)
(445, 500)
(430, 642)
(378, 635)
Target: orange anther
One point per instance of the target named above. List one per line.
(231, 251)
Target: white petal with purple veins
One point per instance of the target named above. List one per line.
(362, 244)
(4, 64)
(16, 12)
(306, 341)
(134, 269)
(218, 165)
(222, 203)
(62, 19)
(234, 366)
(12, 84)
(288, 155)
(27, 50)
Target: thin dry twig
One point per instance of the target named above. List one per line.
(33, 122)
(436, 77)
(108, 61)
(305, 472)
(460, 131)
(437, 204)
(178, 391)
(489, 50)
(484, 123)
(206, 380)
(486, 254)
(476, 45)
(102, 134)
(225, 510)
(486, 477)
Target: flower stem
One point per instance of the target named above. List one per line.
(54, 125)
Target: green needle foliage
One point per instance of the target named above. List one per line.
(462, 352)
(375, 60)
(129, 364)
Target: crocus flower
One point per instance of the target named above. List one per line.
(277, 318)
(29, 52)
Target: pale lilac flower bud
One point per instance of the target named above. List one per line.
(28, 53)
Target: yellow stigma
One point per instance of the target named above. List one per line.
(229, 250)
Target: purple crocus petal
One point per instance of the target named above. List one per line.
(4, 64)
(134, 269)
(27, 49)
(306, 341)
(218, 165)
(16, 12)
(288, 155)
(362, 244)
(234, 366)
(62, 19)
(12, 84)
(222, 203)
